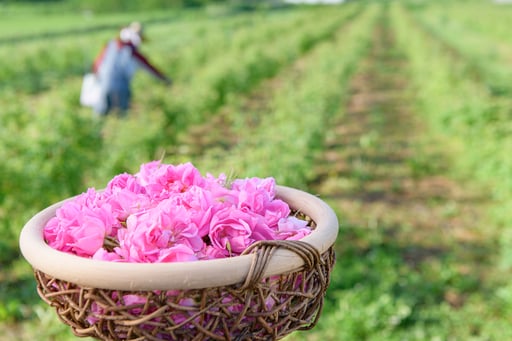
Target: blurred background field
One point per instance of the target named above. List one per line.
(397, 113)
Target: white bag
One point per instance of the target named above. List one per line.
(91, 94)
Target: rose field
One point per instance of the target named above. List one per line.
(397, 113)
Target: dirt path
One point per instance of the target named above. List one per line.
(385, 177)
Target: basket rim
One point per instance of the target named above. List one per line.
(179, 275)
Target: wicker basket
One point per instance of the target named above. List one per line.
(274, 288)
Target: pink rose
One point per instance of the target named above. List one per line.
(258, 196)
(174, 217)
(161, 179)
(124, 181)
(231, 230)
(90, 198)
(275, 211)
(253, 199)
(125, 202)
(56, 230)
(80, 226)
(154, 235)
(252, 193)
(89, 235)
(265, 185)
(200, 205)
(140, 243)
(147, 172)
(292, 228)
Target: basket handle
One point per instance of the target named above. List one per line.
(264, 250)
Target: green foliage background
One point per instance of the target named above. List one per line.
(275, 77)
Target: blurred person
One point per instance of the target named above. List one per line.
(115, 66)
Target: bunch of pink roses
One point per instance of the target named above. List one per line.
(171, 213)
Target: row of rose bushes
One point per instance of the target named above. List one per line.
(220, 38)
(290, 131)
(491, 20)
(212, 86)
(460, 98)
(460, 108)
(488, 55)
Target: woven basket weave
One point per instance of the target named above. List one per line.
(273, 289)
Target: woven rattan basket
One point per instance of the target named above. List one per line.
(275, 288)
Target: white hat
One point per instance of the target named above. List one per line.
(132, 34)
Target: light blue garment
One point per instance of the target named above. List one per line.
(115, 74)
